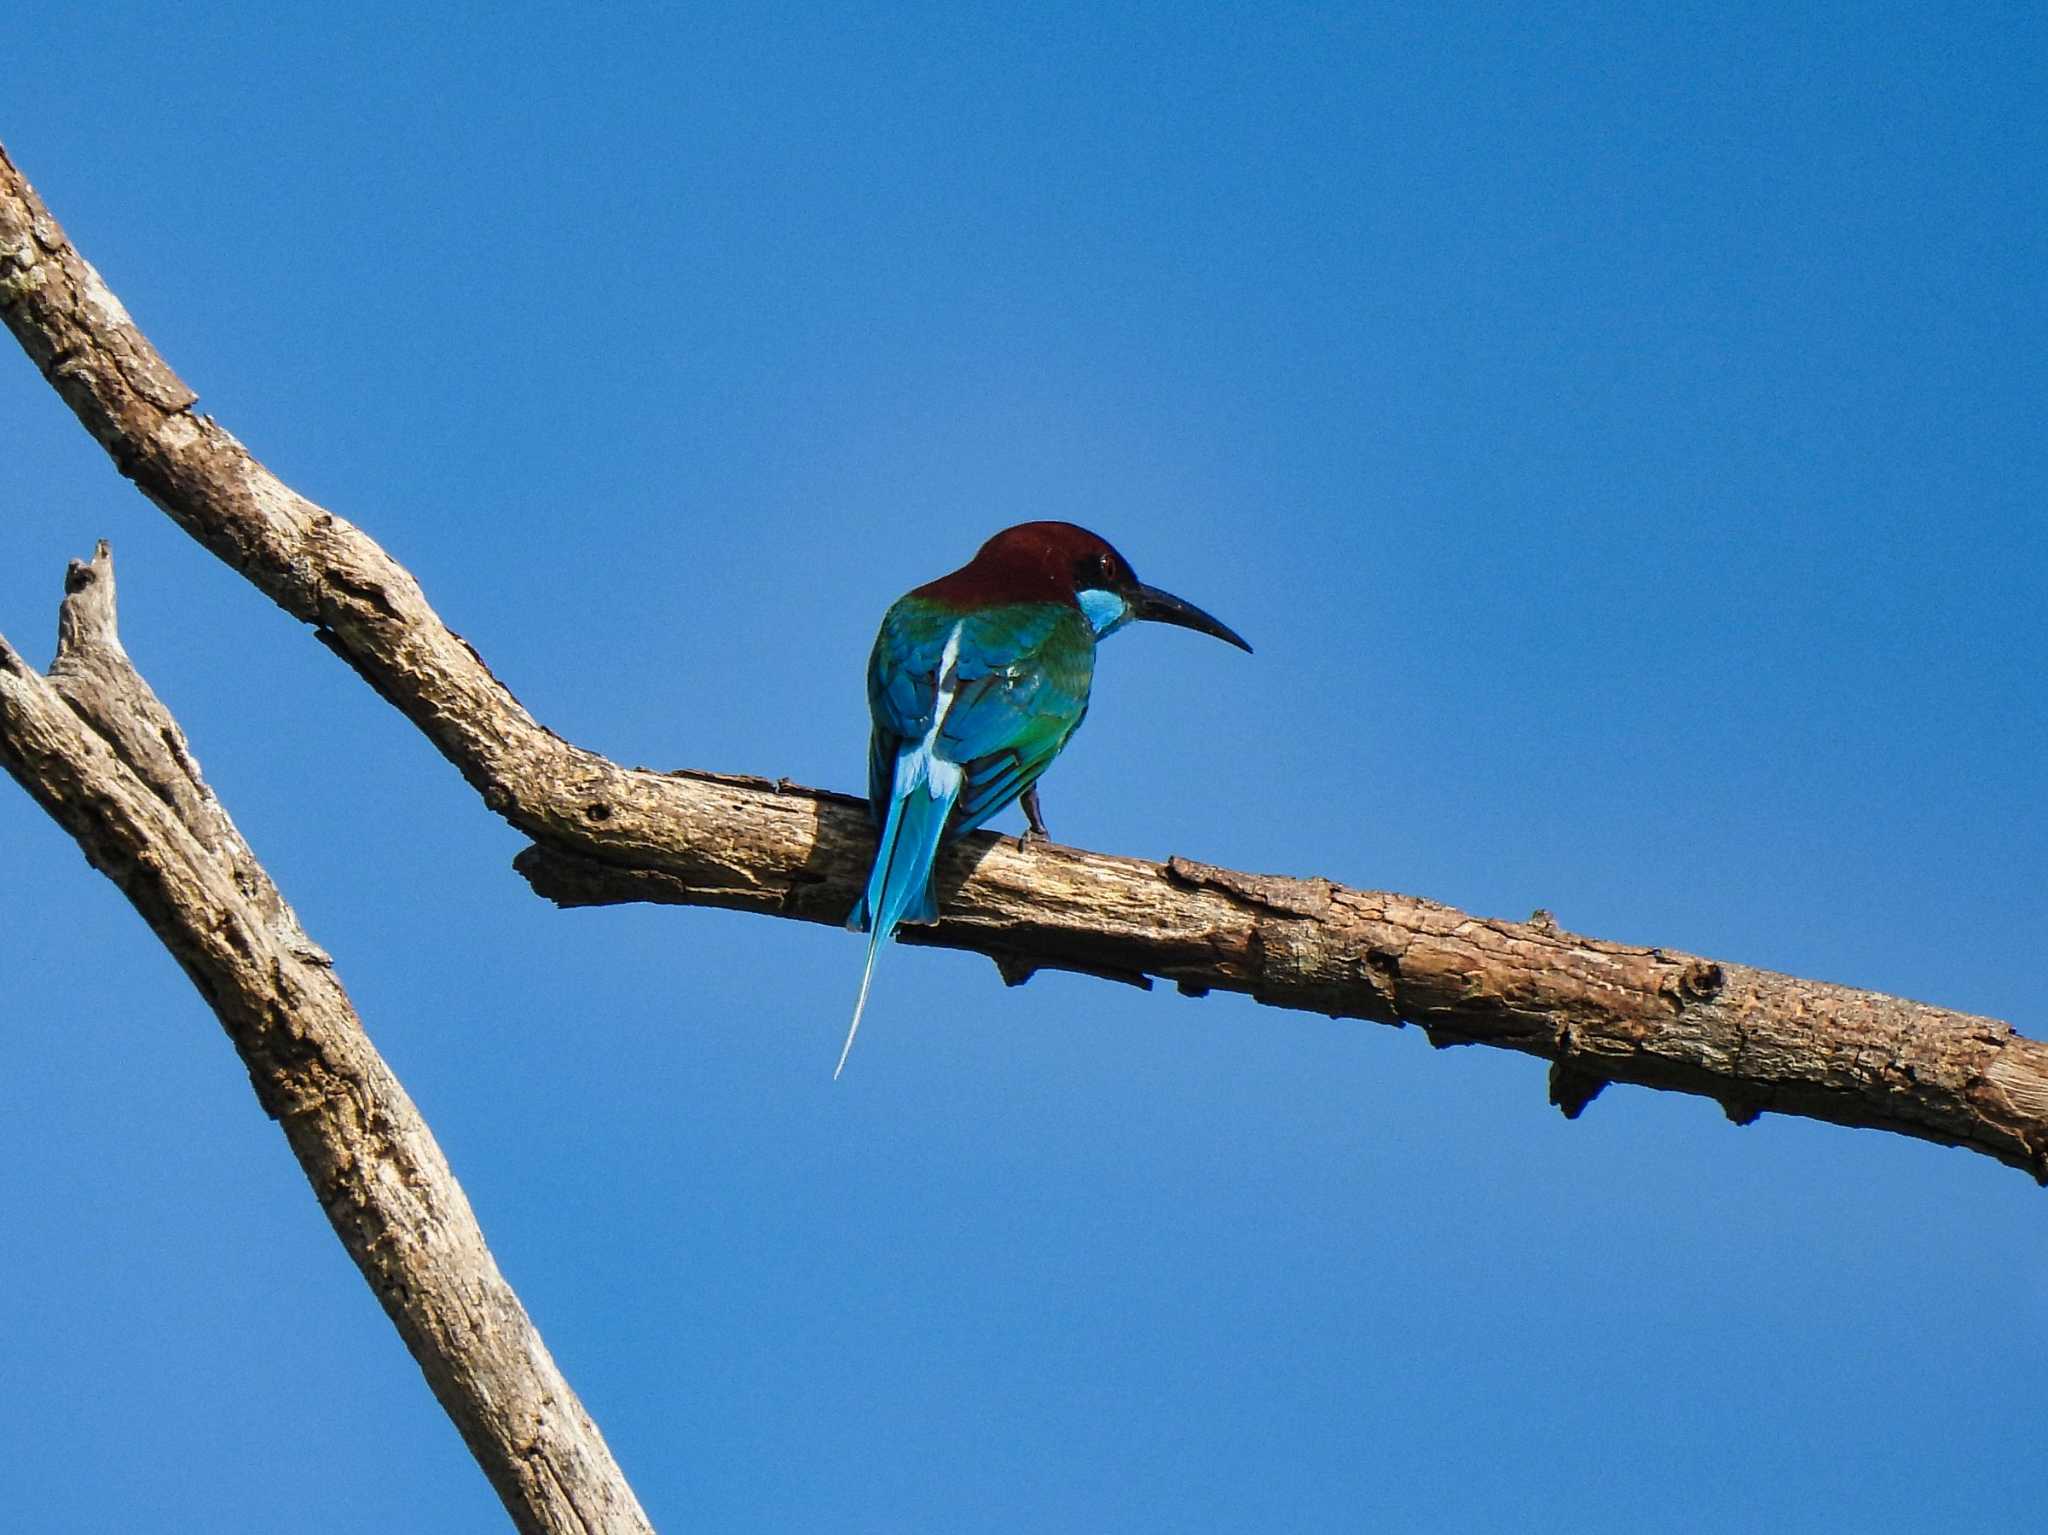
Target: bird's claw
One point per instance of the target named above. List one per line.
(1034, 830)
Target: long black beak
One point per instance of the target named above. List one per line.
(1149, 602)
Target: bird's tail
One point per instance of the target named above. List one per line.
(900, 886)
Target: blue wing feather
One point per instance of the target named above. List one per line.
(1013, 690)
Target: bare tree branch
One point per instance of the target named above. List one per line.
(98, 751)
(1598, 1011)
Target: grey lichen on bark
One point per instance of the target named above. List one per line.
(97, 749)
(1599, 1012)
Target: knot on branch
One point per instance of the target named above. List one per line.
(1573, 1087)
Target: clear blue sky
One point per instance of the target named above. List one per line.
(1620, 431)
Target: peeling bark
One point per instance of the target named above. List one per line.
(96, 749)
(1600, 1012)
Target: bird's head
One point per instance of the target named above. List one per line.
(1061, 559)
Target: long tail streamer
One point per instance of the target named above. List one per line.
(900, 888)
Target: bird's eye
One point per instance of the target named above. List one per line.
(1096, 570)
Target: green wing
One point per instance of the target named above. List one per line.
(1019, 682)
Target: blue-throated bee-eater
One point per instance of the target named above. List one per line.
(976, 682)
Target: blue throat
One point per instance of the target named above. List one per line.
(1106, 612)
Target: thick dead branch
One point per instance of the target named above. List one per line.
(98, 751)
(1599, 1011)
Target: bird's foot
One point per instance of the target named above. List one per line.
(1035, 831)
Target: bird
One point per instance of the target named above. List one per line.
(976, 682)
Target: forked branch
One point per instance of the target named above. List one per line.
(96, 749)
(1598, 1011)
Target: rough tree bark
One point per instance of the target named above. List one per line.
(97, 749)
(1598, 1011)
